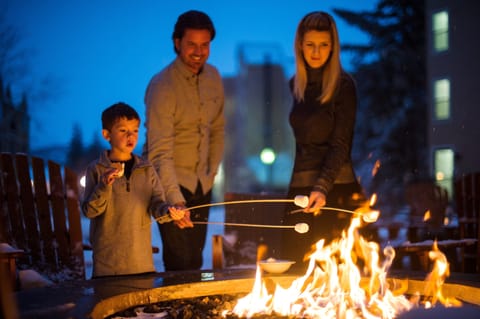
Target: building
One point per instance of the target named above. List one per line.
(453, 67)
(259, 143)
(14, 123)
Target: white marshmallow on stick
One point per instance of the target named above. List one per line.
(301, 228)
(301, 201)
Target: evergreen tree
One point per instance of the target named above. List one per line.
(76, 153)
(95, 149)
(392, 111)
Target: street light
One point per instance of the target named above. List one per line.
(267, 156)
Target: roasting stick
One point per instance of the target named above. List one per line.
(299, 200)
(299, 228)
(369, 217)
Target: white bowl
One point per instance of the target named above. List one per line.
(275, 266)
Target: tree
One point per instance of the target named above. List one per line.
(392, 111)
(17, 72)
(13, 56)
(76, 152)
(95, 149)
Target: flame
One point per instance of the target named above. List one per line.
(365, 210)
(427, 216)
(446, 221)
(261, 251)
(345, 279)
(376, 167)
(441, 270)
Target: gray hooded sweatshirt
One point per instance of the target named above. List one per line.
(121, 215)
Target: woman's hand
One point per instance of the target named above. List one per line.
(315, 202)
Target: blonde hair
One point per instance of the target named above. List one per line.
(317, 21)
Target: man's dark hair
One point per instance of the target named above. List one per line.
(117, 111)
(192, 19)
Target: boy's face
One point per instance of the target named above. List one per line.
(123, 136)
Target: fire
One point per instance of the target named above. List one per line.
(345, 279)
(427, 216)
(376, 167)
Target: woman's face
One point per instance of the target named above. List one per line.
(316, 47)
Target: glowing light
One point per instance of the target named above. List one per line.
(440, 176)
(267, 156)
(82, 181)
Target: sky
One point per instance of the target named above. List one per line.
(93, 54)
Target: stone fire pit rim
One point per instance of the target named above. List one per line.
(112, 305)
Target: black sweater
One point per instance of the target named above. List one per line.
(323, 134)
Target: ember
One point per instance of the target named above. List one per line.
(208, 307)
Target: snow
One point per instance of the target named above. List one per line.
(31, 279)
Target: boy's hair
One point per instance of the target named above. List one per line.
(117, 111)
(192, 19)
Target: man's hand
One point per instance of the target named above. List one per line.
(180, 216)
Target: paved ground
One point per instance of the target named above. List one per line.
(77, 300)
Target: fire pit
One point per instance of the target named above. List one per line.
(468, 294)
(332, 287)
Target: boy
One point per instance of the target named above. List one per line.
(122, 193)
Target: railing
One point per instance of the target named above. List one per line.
(40, 216)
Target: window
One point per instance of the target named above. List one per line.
(441, 93)
(440, 31)
(444, 168)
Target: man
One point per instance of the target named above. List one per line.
(185, 135)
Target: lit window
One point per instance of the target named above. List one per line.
(444, 168)
(441, 93)
(440, 31)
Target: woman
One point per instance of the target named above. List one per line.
(323, 120)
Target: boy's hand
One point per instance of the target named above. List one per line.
(180, 216)
(109, 176)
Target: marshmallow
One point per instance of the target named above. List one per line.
(301, 228)
(121, 169)
(371, 216)
(301, 200)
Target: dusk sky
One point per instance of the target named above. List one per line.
(102, 52)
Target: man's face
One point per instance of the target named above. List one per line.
(194, 48)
